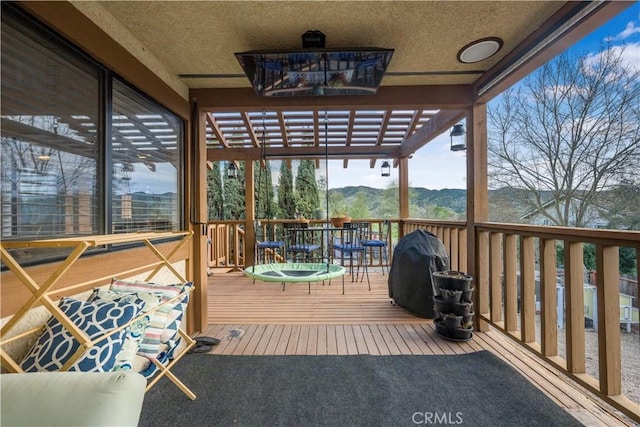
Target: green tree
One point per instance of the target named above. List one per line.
(337, 204)
(286, 196)
(307, 200)
(627, 258)
(623, 206)
(567, 132)
(359, 208)
(589, 256)
(439, 213)
(389, 206)
(234, 194)
(215, 196)
(322, 191)
(264, 196)
(628, 261)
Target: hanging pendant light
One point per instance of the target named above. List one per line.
(458, 138)
(232, 171)
(385, 169)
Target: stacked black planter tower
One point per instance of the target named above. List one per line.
(453, 304)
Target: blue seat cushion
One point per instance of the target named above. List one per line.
(270, 245)
(379, 243)
(349, 247)
(303, 248)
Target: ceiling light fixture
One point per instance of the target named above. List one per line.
(385, 169)
(458, 138)
(232, 171)
(479, 50)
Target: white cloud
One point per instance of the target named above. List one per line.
(629, 30)
(436, 167)
(631, 55)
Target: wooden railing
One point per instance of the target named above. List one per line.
(226, 244)
(521, 286)
(452, 234)
(227, 240)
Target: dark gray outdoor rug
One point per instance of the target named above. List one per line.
(475, 389)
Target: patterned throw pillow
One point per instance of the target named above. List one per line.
(56, 344)
(142, 336)
(174, 311)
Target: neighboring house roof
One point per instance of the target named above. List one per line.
(595, 217)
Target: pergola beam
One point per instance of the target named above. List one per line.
(434, 127)
(334, 152)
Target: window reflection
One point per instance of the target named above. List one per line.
(145, 163)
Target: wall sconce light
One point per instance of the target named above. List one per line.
(458, 138)
(385, 169)
(232, 171)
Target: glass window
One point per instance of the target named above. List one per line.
(50, 134)
(77, 159)
(145, 140)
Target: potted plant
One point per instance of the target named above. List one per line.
(450, 296)
(338, 210)
(453, 280)
(453, 304)
(338, 221)
(452, 321)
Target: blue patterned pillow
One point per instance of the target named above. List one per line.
(56, 344)
(142, 336)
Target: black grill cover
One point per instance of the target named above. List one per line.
(415, 257)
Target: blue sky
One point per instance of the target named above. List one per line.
(435, 166)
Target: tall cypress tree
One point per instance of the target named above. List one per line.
(286, 197)
(263, 191)
(307, 189)
(234, 191)
(215, 197)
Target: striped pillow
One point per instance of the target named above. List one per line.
(172, 312)
(143, 336)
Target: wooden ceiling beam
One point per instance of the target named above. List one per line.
(388, 97)
(250, 130)
(413, 124)
(334, 152)
(215, 127)
(434, 127)
(383, 127)
(283, 129)
(352, 118)
(316, 129)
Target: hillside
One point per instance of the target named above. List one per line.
(452, 199)
(449, 203)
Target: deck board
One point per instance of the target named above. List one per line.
(293, 321)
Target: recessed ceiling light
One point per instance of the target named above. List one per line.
(479, 50)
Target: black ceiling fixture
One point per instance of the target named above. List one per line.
(385, 169)
(458, 138)
(315, 70)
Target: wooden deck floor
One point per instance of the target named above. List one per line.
(262, 319)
